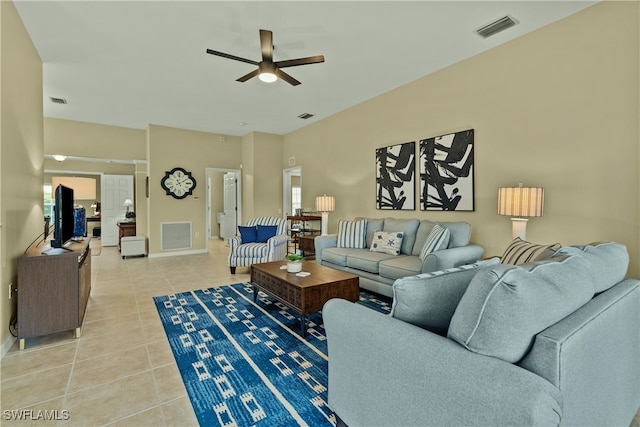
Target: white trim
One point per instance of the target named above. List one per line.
(6, 345)
(178, 253)
(286, 188)
(72, 172)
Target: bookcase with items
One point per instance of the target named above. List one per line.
(53, 290)
(303, 229)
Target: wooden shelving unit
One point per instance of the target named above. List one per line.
(303, 229)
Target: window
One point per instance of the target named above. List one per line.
(296, 198)
(49, 202)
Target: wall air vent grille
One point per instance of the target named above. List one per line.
(305, 116)
(496, 26)
(58, 100)
(175, 235)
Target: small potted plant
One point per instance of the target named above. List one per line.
(130, 216)
(294, 263)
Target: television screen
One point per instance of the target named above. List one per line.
(64, 224)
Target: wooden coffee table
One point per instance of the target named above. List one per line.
(303, 294)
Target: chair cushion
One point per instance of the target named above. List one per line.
(352, 234)
(505, 306)
(521, 252)
(437, 239)
(608, 262)
(251, 250)
(429, 300)
(388, 243)
(265, 232)
(248, 234)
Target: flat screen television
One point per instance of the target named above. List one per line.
(64, 225)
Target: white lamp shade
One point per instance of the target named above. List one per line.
(127, 203)
(83, 188)
(325, 203)
(521, 201)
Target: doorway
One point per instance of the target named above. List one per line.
(224, 203)
(291, 190)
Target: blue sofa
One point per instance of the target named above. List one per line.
(553, 342)
(377, 271)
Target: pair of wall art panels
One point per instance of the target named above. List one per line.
(445, 173)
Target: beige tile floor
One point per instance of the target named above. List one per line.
(121, 371)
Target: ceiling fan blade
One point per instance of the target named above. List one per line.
(300, 61)
(235, 58)
(266, 44)
(248, 76)
(286, 77)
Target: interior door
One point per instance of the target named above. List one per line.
(229, 222)
(115, 189)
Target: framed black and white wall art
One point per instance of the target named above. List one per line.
(395, 177)
(446, 172)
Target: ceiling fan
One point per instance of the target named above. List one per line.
(269, 71)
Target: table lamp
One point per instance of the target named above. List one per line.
(324, 205)
(519, 203)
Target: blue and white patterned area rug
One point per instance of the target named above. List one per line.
(245, 363)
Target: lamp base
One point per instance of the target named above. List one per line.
(325, 222)
(519, 228)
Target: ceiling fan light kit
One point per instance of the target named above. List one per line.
(269, 71)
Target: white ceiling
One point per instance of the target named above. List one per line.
(131, 63)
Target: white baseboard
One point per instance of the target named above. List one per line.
(177, 253)
(6, 345)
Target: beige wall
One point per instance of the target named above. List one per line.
(557, 108)
(21, 152)
(80, 139)
(194, 151)
(261, 175)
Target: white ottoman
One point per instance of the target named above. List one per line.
(133, 246)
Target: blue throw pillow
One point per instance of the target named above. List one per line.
(265, 232)
(248, 234)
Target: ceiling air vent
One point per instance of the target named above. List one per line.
(305, 116)
(58, 100)
(496, 26)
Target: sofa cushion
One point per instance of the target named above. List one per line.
(460, 233)
(505, 306)
(248, 234)
(608, 262)
(339, 256)
(401, 266)
(351, 234)
(373, 225)
(521, 252)
(429, 300)
(365, 260)
(437, 239)
(422, 233)
(408, 226)
(265, 232)
(251, 250)
(388, 243)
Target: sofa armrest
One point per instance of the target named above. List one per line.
(453, 257)
(592, 357)
(234, 242)
(323, 242)
(383, 371)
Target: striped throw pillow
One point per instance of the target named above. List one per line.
(437, 239)
(521, 252)
(352, 234)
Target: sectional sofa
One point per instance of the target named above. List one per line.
(549, 342)
(377, 269)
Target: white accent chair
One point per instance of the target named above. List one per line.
(275, 248)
